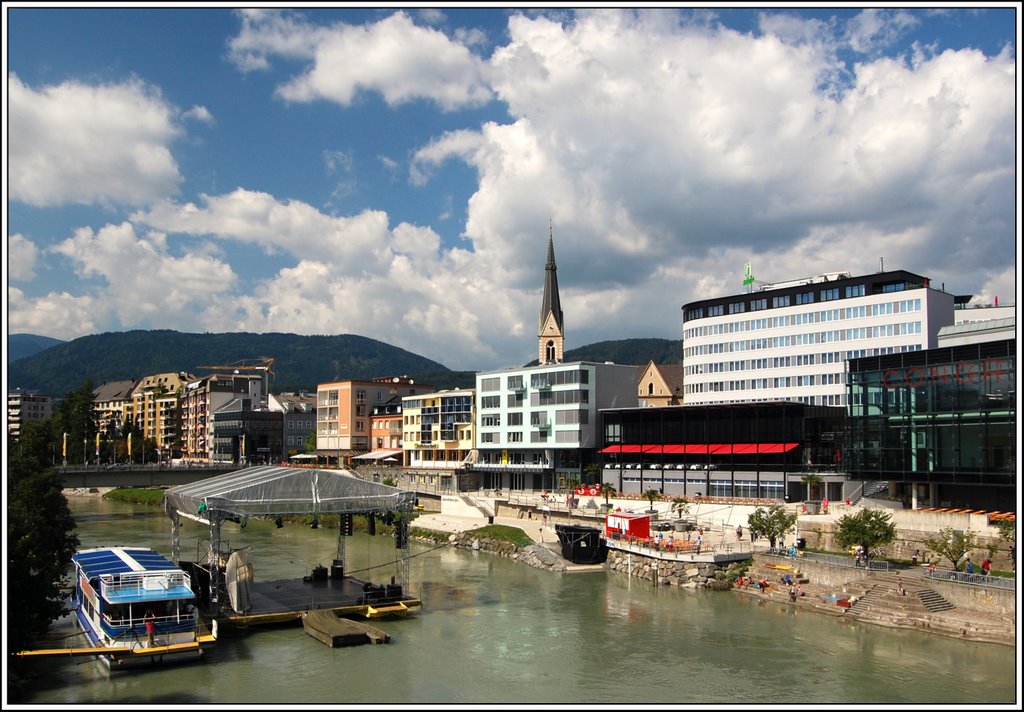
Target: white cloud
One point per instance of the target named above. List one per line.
(76, 143)
(874, 30)
(139, 277)
(395, 57)
(200, 113)
(21, 258)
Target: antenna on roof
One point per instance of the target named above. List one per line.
(881, 264)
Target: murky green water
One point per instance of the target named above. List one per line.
(495, 632)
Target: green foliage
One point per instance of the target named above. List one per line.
(592, 473)
(607, 490)
(40, 541)
(389, 482)
(74, 415)
(301, 362)
(311, 441)
(770, 523)
(813, 482)
(1007, 530)
(137, 495)
(651, 495)
(502, 532)
(951, 544)
(681, 506)
(871, 528)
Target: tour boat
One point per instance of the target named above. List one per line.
(115, 590)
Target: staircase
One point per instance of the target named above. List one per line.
(482, 506)
(933, 601)
(869, 489)
(879, 594)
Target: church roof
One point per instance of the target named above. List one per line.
(551, 303)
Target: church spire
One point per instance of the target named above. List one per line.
(551, 334)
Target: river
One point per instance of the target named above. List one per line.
(492, 631)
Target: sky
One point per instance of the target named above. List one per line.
(395, 172)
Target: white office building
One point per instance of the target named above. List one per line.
(791, 340)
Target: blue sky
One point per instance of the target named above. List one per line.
(393, 172)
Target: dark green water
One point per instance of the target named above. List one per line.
(495, 632)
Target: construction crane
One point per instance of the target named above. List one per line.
(266, 365)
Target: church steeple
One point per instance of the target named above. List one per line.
(551, 334)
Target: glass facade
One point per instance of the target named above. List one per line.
(941, 416)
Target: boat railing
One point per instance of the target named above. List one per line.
(147, 581)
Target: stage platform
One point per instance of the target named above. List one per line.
(285, 600)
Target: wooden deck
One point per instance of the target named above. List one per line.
(337, 632)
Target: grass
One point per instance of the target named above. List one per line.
(137, 495)
(502, 533)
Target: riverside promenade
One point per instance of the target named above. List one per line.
(877, 600)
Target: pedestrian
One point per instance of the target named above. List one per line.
(150, 620)
(986, 566)
(739, 532)
(968, 566)
(700, 541)
(792, 594)
(915, 557)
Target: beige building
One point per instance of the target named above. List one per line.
(438, 437)
(112, 405)
(155, 410)
(344, 413)
(660, 385)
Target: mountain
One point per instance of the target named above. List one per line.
(300, 362)
(22, 345)
(635, 352)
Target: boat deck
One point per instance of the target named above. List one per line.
(286, 600)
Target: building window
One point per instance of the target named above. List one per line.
(490, 384)
(854, 290)
(758, 304)
(780, 301)
(737, 308)
(827, 295)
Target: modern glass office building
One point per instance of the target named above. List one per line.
(938, 425)
(726, 450)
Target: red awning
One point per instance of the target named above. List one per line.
(701, 449)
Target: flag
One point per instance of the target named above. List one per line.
(64, 448)
(97, 444)
(129, 447)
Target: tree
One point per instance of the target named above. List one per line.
(771, 523)
(607, 490)
(681, 506)
(813, 482)
(75, 416)
(311, 441)
(592, 472)
(871, 528)
(40, 536)
(651, 495)
(951, 543)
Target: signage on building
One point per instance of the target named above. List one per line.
(748, 275)
(964, 372)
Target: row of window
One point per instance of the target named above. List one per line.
(826, 294)
(806, 339)
(536, 436)
(832, 399)
(537, 380)
(827, 357)
(865, 311)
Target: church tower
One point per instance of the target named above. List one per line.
(552, 334)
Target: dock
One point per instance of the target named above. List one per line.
(336, 632)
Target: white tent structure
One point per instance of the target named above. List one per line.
(273, 492)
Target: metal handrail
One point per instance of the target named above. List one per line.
(984, 580)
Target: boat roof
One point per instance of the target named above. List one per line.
(121, 560)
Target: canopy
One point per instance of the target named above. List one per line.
(376, 455)
(304, 456)
(273, 491)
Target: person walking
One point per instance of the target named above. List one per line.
(700, 541)
(739, 532)
(916, 556)
(986, 566)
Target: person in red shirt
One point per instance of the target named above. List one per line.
(986, 566)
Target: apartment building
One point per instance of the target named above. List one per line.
(791, 340)
(537, 426)
(112, 405)
(155, 410)
(344, 413)
(298, 420)
(438, 438)
(202, 397)
(23, 406)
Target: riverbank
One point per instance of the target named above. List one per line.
(880, 605)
